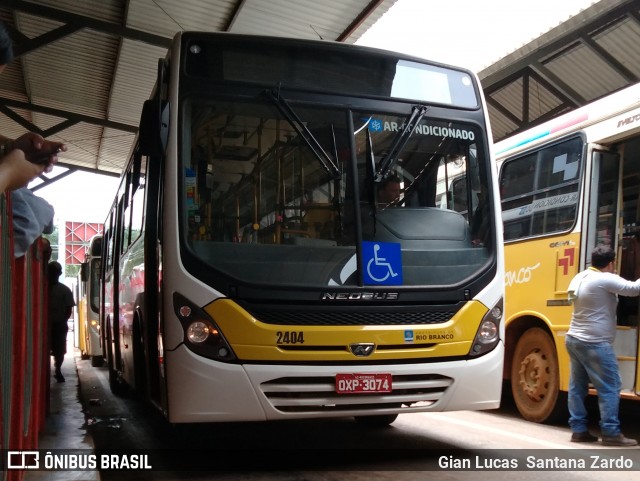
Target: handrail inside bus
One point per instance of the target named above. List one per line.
(327, 162)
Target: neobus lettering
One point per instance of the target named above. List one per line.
(360, 296)
(522, 276)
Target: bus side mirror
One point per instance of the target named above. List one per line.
(154, 128)
(84, 272)
(154, 121)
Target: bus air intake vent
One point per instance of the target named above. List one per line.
(296, 316)
(318, 394)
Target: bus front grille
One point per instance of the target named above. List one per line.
(350, 317)
(318, 394)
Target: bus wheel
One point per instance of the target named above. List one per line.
(139, 369)
(117, 386)
(535, 378)
(376, 421)
(97, 361)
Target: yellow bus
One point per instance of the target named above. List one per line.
(88, 304)
(567, 186)
(252, 270)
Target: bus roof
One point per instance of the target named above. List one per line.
(618, 104)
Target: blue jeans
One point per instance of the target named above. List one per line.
(593, 362)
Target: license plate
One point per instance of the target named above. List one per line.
(363, 383)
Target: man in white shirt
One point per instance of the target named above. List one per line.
(589, 341)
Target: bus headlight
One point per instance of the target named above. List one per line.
(488, 334)
(198, 332)
(201, 335)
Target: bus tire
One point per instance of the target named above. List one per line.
(378, 421)
(139, 368)
(116, 384)
(535, 377)
(97, 361)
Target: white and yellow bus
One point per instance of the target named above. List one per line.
(88, 304)
(567, 186)
(252, 272)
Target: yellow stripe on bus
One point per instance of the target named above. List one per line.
(254, 340)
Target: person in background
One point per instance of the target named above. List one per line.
(23, 159)
(389, 191)
(60, 308)
(589, 341)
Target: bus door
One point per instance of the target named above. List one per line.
(614, 201)
(627, 339)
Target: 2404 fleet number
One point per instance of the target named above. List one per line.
(289, 337)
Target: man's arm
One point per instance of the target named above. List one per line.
(16, 171)
(621, 286)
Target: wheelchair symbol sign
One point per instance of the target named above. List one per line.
(382, 263)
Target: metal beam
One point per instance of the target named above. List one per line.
(50, 180)
(65, 114)
(82, 21)
(24, 45)
(46, 181)
(234, 15)
(504, 111)
(627, 74)
(366, 12)
(558, 84)
(553, 41)
(560, 95)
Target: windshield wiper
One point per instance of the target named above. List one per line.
(370, 169)
(399, 142)
(327, 162)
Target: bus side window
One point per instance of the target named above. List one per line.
(539, 190)
(518, 177)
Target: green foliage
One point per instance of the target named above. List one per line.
(53, 241)
(71, 271)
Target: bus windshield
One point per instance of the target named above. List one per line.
(286, 193)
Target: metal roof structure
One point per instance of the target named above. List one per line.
(591, 55)
(83, 69)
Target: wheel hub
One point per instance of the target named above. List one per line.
(534, 377)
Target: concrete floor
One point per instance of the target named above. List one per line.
(65, 426)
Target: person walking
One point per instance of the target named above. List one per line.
(594, 293)
(60, 308)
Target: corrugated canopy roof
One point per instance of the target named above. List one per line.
(591, 55)
(83, 69)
